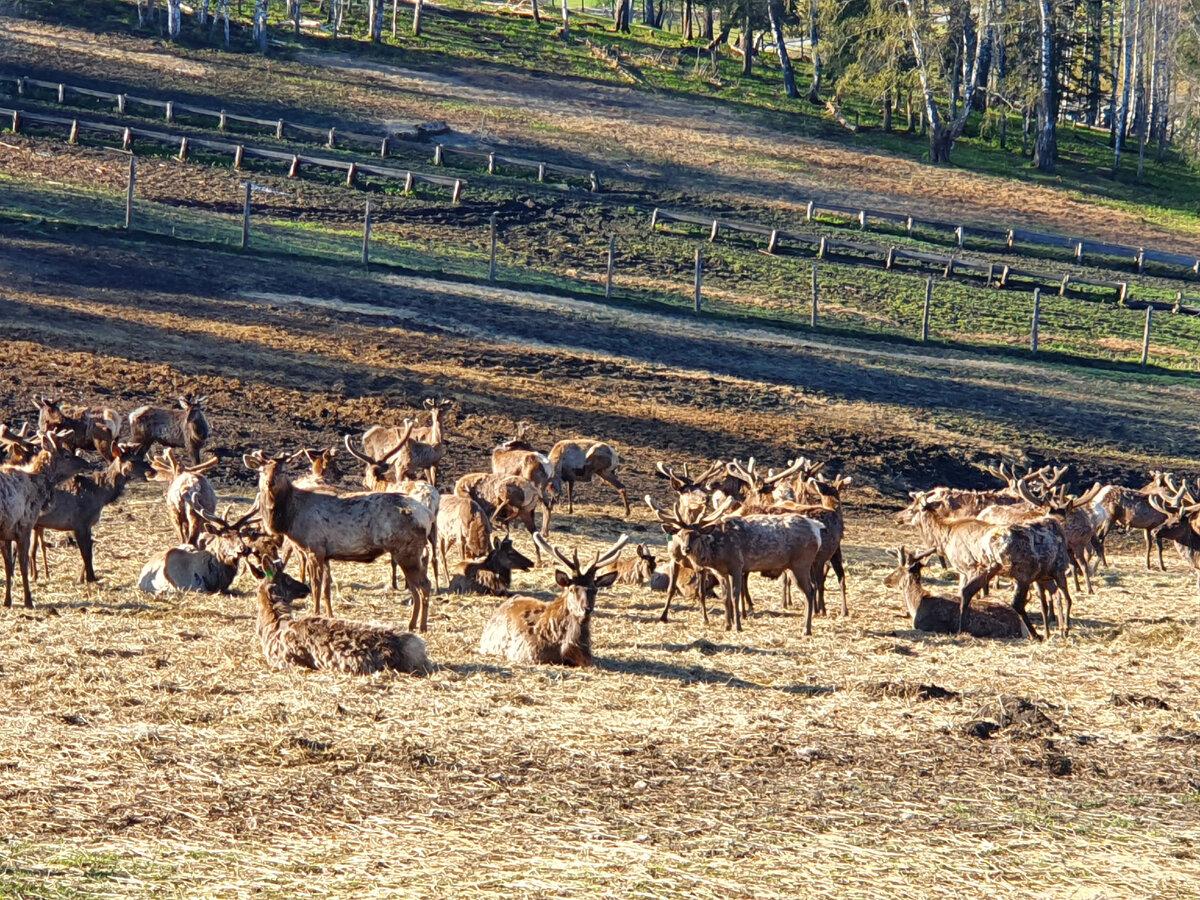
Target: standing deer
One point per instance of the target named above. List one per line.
(1182, 526)
(462, 523)
(733, 547)
(1128, 508)
(24, 491)
(353, 528)
(527, 631)
(188, 493)
(503, 499)
(185, 428)
(88, 427)
(421, 450)
(693, 492)
(320, 642)
(77, 505)
(939, 615)
(518, 458)
(578, 462)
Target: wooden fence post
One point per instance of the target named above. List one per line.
(492, 262)
(246, 217)
(73, 137)
(183, 149)
(1146, 335)
(121, 104)
(127, 140)
(279, 130)
(815, 289)
(699, 279)
(222, 125)
(170, 110)
(367, 235)
(333, 138)
(16, 122)
(612, 258)
(928, 302)
(351, 174)
(541, 172)
(862, 220)
(457, 194)
(129, 193)
(959, 235)
(62, 93)
(384, 148)
(238, 153)
(1037, 314)
(294, 168)
(437, 155)
(771, 244)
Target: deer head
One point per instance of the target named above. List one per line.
(580, 584)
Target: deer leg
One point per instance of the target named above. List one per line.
(571, 497)
(968, 588)
(1020, 597)
(433, 560)
(1064, 625)
(23, 562)
(433, 472)
(804, 580)
(1162, 566)
(395, 573)
(6, 548)
(735, 585)
(609, 478)
(1087, 574)
(418, 585)
(839, 570)
(33, 551)
(86, 547)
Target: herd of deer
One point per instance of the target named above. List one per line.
(724, 524)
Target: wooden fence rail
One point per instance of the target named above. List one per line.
(330, 137)
(997, 275)
(240, 152)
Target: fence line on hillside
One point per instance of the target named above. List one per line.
(285, 130)
(382, 247)
(239, 152)
(1181, 264)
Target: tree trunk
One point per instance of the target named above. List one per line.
(566, 20)
(1045, 146)
(688, 13)
(814, 36)
(941, 142)
(708, 23)
(908, 111)
(418, 6)
(260, 25)
(620, 15)
(1095, 52)
(887, 111)
(775, 12)
(747, 43)
(202, 21)
(647, 13)
(1122, 122)
(296, 18)
(174, 19)
(537, 17)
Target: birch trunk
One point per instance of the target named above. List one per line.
(1045, 144)
(814, 40)
(775, 12)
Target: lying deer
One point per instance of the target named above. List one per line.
(321, 642)
(490, 574)
(526, 630)
(939, 615)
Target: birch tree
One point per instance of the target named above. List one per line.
(1045, 145)
(944, 130)
(260, 25)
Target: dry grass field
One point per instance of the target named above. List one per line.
(148, 751)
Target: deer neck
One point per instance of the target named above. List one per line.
(275, 501)
(272, 609)
(913, 591)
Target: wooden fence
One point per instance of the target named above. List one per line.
(238, 152)
(997, 275)
(328, 137)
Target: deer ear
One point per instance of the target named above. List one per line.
(607, 579)
(562, 578)
(254, 463)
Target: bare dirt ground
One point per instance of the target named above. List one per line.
(675, 143)
(147, 751)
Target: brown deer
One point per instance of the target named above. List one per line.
(939, 615)
(503, 499)
(77, 505)
(421, 449)
(375, 478)
(320, 463)
(352, 528)
(634, 570)
(462, 523)
(88, 427)
(527, 631)
(1031, 553)
(518, 458)
(320, 642)
(24, 492)
(490, 574)
(693, 492)
(188, 493)
(1129, 508)
(18, 448)
(210, 567)
(734, 546)
(574, 462)
(185, 428)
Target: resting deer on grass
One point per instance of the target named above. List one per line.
(184, 428)
(526, 630)
(634, 570)
(321, 642)
(209, 567)
(939, 615)
(490, 574)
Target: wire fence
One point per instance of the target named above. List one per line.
(656, 270)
